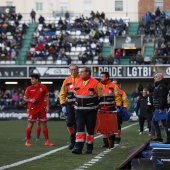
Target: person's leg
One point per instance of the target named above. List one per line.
(157, 130)
(90, 125)
(118, 135)
(43, 119)
(71, 125)
(80, 131)
(141, 124)
(38, 130)
(28, 133)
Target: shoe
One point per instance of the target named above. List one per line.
(48, 143)
(77, 151)
(158, 139)
(151, 135)
(140, 133)
(117, 140)
(37, 139)
(88, 152)
(146, 129)
(27, 143)
(71, 146)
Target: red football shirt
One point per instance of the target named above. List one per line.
(39, 94)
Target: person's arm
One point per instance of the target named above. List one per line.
(118, 98)
(63, 94)
(125, 100)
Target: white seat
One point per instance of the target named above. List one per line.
(50, 58)
(95, 62)
(64, 62)
(7, 62)
(106, 40)
(95, 58)
(2, 62)
(79, 62)
(73, 62)
(89, 62)
(13, 62)
(28, 62)
(58, 62)
(83, 48)
(71, 53)
(73, 49)
(49, 62)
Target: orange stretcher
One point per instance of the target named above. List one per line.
(106, 123)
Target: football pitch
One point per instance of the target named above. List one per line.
(15, 155)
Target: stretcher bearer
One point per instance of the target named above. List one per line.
(87, 93)
(125, 104)
(111, 100)
(67, 100)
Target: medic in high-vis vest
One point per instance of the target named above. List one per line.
(67, 100)
(111, 101)
(88, 94)
(124, 104)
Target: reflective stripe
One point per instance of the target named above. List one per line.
(71, 100)
(64, 89)
(89, 139)
(84, 108)
(72, 91)
(71, 130)
(108, 95)
(86, 97)
(80, 136)
(103, 103)
(116, 92)
(124, 98)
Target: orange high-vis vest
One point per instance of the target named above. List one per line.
(111, 96)
(86, 95)
(67, 90)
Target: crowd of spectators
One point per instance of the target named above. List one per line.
(156, 28)
(13, 99)
(57, 40)
(11, 34)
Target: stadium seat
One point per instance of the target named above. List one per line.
(28, 62)
(49, 62)
(95, 62)
(58, 62)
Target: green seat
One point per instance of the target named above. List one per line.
(125, 61)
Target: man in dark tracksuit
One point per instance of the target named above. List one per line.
(160, 102)
(146, 110)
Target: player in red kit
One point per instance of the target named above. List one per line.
(37, 96)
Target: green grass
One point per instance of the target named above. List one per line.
(12, 148)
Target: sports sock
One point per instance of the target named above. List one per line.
(38, 131)
(45, 132)
(28, 133)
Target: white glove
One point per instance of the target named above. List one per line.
(64, 110)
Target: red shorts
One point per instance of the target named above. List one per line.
(33, 115)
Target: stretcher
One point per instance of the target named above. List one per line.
(106, 123)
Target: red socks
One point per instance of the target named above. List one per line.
(38, 131)
(45, 132)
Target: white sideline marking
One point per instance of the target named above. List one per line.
(99, 156)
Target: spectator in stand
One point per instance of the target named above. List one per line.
(111, 59)
(118, 53)
(19, 16)
(139, 58)
(157, 12)
(41, 19)
(67, 15)
(100, 59)
(33, 16)
(105, 61)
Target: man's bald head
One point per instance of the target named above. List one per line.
(158, 77)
